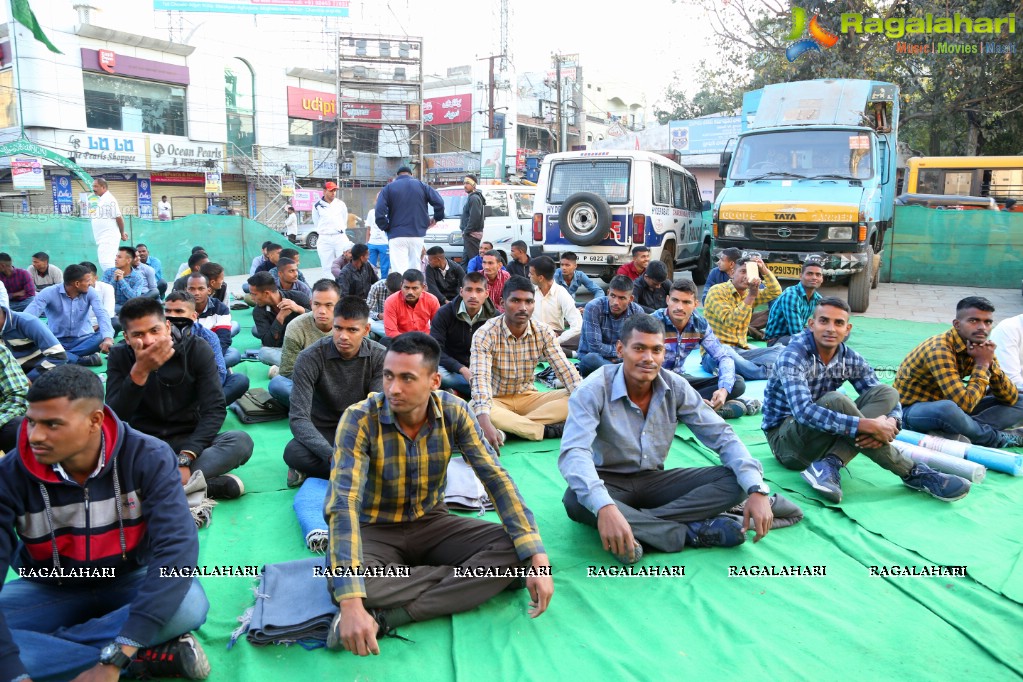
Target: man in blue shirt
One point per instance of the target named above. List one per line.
(476, 264)
(126, 280)
(723, 272)
(602, 324)
(811, 426)
(66, 308)
(685, 331)
(621, 422)
(790, 312)
(152, 261)
(569, 277)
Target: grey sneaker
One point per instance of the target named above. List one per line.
(945, 487)
(624, 558)
(825, 476)
(180, 657)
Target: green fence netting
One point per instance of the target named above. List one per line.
(232, 241)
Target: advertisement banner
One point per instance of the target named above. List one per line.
(443, 110)
(311, 104)
(178, 178)
(288, 186)
(492, 159)
(305, 198)
(27, 173)
(308, 8)
(214, 182)
(145, 199)
(63, 197)
(703, 135)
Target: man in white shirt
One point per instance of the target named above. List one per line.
(330, 215)
(163, 208)
(379, 255)
(291, 226)
(555, 307)
(1008, 339)
(107, 225)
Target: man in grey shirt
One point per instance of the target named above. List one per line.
(621, 422)
(335, 372)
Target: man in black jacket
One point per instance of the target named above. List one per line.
(453, 326)
(471, 223)
(274, 311)
(172, 391)
(443, 275)
(92, 514)
(652, 288)
(357, 276)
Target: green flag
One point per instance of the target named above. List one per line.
(24, 15)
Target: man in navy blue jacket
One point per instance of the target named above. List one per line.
(402, 212)
(108, 546)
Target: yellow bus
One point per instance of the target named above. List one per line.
(999, 177)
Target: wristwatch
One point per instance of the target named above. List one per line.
(898, 423)
(184, 460)
(762, 489)
(111, 654)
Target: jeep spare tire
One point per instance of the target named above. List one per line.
(585, 219)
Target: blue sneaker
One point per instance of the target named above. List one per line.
(720, 531)
(825, 476)
(945, 487)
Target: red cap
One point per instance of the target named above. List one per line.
(330, 185)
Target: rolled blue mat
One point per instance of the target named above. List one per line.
(308, 506)
(992, 458)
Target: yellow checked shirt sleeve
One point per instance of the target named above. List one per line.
(1001, 386)
(342, 507)
(564, 369)
(481, 364)
(941, 363)
(728, 320)
(771, 290)
(515, 516)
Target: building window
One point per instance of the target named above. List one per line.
(240, 98)
(134, 106)
(8, 100)
(305, 133)
(455, 137)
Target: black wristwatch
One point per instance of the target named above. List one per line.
(184, 460)
(898, 423)
(111, 654)
(762, 489)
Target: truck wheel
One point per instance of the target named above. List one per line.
(859, 285)
(585, 219)
(668, 258)
(702, 270)
(310, 241)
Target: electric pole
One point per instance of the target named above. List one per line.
(491, 85)
(557, 76)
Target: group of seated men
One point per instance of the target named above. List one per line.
(368, 416)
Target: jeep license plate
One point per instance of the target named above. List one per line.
(593, 258)
(785, 270)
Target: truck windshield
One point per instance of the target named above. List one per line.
(454, 201)
(608, 179)
(804, 153)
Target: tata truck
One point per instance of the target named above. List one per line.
(813, 173)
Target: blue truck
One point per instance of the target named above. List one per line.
(813, 172)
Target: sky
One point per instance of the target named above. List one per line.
(621, 45)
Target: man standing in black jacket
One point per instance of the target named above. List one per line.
(274, 311)
(472, 220)
(172, 391)
(453, 326)
(443, 275)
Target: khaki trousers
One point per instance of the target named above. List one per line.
(525, 414)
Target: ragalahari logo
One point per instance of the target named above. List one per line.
(819, 36)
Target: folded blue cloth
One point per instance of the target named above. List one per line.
(308, 506)
(293, 606)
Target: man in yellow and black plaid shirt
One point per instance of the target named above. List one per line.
(393, 547)
(936, 394)
(729, 309)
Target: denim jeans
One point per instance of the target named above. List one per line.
(751, 364)
(235, 385)
(591, 362)
(377, 327)
(232, 357)
(77, 347)
(983, 426)
(454, 381)
(380, 258)
(60, 629)
(280, 389)
(270, 356)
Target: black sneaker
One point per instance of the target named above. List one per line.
(181, 657)
(94, 360)
(226, 487)
(945, 487)
(720, 531)
(825, 476)
(383, 630)
(296, 478)
(553, 430)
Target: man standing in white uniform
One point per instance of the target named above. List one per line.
(107, 225)
(330, 215)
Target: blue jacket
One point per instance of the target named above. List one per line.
(401, 207)
(60, 522)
